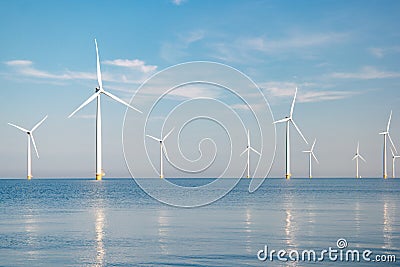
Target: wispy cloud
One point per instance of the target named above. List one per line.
(246, 48)
(173, 51)
(366, 73)
(380, 52)
(269, 45)
(26, 68)
(178, 2)
(135, 64)
(287, 89)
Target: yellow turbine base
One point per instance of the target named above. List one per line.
(29, 177)
(161, 176)
(99, 176)
(384, 176)
(248, 176)
(287, 176)
(310, 177)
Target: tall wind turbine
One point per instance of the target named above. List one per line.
(356, 157)
(394, 157)
(289, 120)
(162, 150)
(30, 139)
(248, 148)
(385, 135)
(98, 91)
(311, 155)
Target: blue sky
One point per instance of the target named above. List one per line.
(343, 56)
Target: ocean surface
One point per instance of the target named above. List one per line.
(81, 222)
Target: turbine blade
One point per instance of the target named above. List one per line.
(361, 157)
(120, 100)
(99, 80)
(244, 151)
(388, 125)
(312, 153)
(383, 133)
(252, 149)
(90, 99)
(158, 140)
(312, 147)
(391, 150)
(165, 152)
(294, 100)
(297, 128)
(282, 120)
(165, 137)
(34, 145)
(248, 137)
(391, 141)
(358, 147)
(20, 128)
(38, 124)
(356, 156)
(305, 151)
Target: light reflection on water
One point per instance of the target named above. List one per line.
(86, 223)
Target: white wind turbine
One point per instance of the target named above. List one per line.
(386, 134)
(162, 150)
(394, 157)
(248, 148)
(289, 120)
(30, 139)
(98, 91)
(356, 157)
(311, 155)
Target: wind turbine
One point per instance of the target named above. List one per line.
(30, 139)
(98, 91)
(356, 157)
(248, 148)
(394, 157)
(386, 134)
(311, 154)
(289, 120)
(162, 150)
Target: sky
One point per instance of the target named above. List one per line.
(342, 55)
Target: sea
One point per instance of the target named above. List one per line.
(82, 222)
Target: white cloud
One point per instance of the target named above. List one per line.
(174, 51)
(178, 2)
(287, 89)
(243, 48)
(366, 73)
(19, 63)
(380, 52)
(135, 64)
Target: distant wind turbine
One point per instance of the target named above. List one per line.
(394, 157)
(30, 139)
(289, 120)
(356, 157)
(311, 154)
(386, 134)
(163, 150)
(98, 91)
(248, 148)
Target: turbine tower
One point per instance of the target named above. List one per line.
(311, 155)
(289, 120)
(248, 148)
(385, 135)
(356, 157)
(30, 139)
(98, 91)
(394, 157)
(163, 150)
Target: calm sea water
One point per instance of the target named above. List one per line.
(76, 222)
